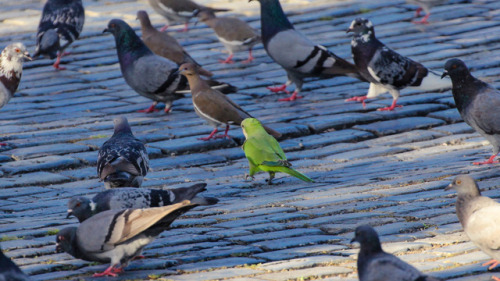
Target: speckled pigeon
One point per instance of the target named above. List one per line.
(425, 5)
(150, 75)
(11, 70)
(477, 103)
(117, 236)
(175, 11)
(165, 45)
(386, 70)
(213, 106)
(479, 216)
(236, 35)
(60, 25)
(134, 198)
(376, 265)
(294, 52)
(123, 160)
(9, 271)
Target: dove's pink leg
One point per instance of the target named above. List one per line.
(294, 96)
(489, 161)
(228, 60)
(209, 136)
(110, 271)
(225, 135)
(149, 109)
(359, 99)
(185, 29)
(389, 108)
(424, 20)
(250, 57)
(164, 28)
(493, 263)
(281, 88)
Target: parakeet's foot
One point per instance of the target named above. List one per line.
(110, 271)
(293, 97)
(248, 176)
(491, 160)
(493, 263)
(281, 88)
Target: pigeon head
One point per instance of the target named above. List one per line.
(121, 125)
(16, 52)
(79, 207)
(456, 69)
(127, 41)
(367, 237)
(250, 126)
(11, 65)
(464, 185)
(65, 241)
(362, 27)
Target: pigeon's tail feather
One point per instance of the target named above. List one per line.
(342, 67)
(294, 173)
(204, 201)
(49, 44)
(188, 193)
(433, 81)
(122, 179)
(272, 132)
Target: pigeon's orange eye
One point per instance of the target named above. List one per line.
(17, 50)
(459, 182)
(112, 25)
(78, 204)
(454, 66)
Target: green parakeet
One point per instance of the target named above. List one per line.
(264, 153)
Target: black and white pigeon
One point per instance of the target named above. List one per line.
(477, 103)
(150, 75)
(386, 70)
(299, 56)
(175, 11)
(9, 271)
(11, 70)
(60, 25)
(425, 5)
(134, 198)
(376, 265)
(123, 160)
(479, 217)
(118, 236)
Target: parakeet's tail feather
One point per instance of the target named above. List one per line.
(294, 173)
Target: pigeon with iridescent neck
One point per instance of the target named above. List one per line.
(11, 70)
(386, 70)
(60, 25)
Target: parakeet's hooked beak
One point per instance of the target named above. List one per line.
(445, 73)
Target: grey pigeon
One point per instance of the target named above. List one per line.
(123, 160)
(11, 70)
(425, 5)
(376, 265)
(9, 271)
(150, 75)
(477, 103)
(235, 34)
(386, 70)
(117, 236)
(60, 25)
(478, 215)
(176, 11)
(134, 198)
(294, 52)
(165, 45)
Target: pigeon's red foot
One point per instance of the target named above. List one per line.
(281, 88)
(423, 20)
(185, 29)
(164, 28)
(493, 263)
(491, 160)
(229, 60)
(149, 109)
(390, 108)
(140, 257)
(110, 271)
(417, 12)
(495, 278)
(293, 97)
(167, 109)
(3, 144)
(359, 99)
(57, 67)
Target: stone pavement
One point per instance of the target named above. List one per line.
(387, 169)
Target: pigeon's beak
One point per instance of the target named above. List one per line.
(353, 240)
(70, 213)
(105, 30)
(445, 73)
(450, 186)
(27, 56)
(58, 248)
(348, 30)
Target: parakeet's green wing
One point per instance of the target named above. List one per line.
(263, 148)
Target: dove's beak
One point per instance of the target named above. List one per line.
(177, 72)
(450, 186)
(445, 73)
(70, 213)
(27, 56)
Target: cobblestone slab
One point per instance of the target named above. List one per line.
(387, 169)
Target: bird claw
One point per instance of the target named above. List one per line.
(493, 263)
(295, 96)
(110, 271)
(491, 160)
(281, 88)
(389, 108)
(248, 176)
